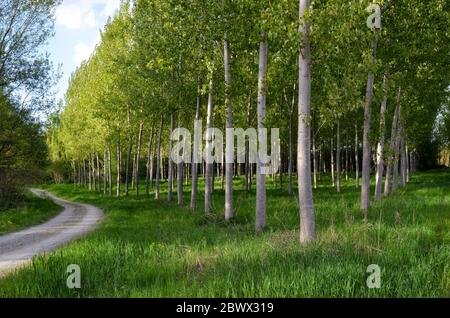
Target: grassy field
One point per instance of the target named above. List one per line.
(146, 248)
(31, 211)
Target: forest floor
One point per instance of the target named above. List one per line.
(145, 248)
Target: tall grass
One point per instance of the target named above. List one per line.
(145, 248)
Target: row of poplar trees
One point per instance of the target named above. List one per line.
(313, 69)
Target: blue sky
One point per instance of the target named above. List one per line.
(77, 31)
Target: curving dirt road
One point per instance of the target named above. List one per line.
(77, 219)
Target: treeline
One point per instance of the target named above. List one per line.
(317, 73)
(26, 80)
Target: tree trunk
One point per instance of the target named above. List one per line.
(346, 158)
(109, 171)
(365, 182)
(402, 160)
(407, 162)
(98, 174)
(261, 178)
(149, 171)
(158, 159)
(180, 172)
(397, 150)
(127, 167)
(138, 156)
(307, 217)
(170, 168)
(332, 160)
(390, 163)
(119, 159)
(209, 166)
(380, 148)
(229, 149)
(105, 172)
(291, 155)
(197, 142)
(314, 153)
(338, 156)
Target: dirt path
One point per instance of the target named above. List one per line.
(17, 249)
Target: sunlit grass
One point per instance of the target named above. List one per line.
(146, 248)
(30, 211)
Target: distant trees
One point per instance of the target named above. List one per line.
(23, 152)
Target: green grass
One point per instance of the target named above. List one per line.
(31, 211)
(145, 248)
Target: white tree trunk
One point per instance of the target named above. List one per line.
(402, 160)
(261, 178)
(193, 204)
(158, 159)
(338, 156)
(365, 181)
(333, 181)
(291, 150)
(229, 156)
(314, 150)
(149, 172)
(397, 150)
(307, 217)
(380, 147)
(390, 164)
(138, 156)
(170, 168)
(356, 157)
(209, 166)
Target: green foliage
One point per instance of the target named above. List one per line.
(23, 152)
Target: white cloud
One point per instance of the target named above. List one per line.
(110, 7)
(84, 14)
(83, 51)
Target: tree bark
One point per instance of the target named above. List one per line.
(149, 171)
(170, 167)
(397, 150)
(229, 149)
(158, 159)
(105, 171)
(194, 187)
(365, 182)
(127, 167)
(291, 155)
(356, 157)
(138, 156)
(209, 165)
(307, 217)
(338, 156)
(314, 160)
(390, 164)
(260, 223)
(333, 180)
(380, 147)
(180, 171)
(119, 159)
(402, 160)
(109, 171)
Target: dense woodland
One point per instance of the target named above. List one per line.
(350, 101)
